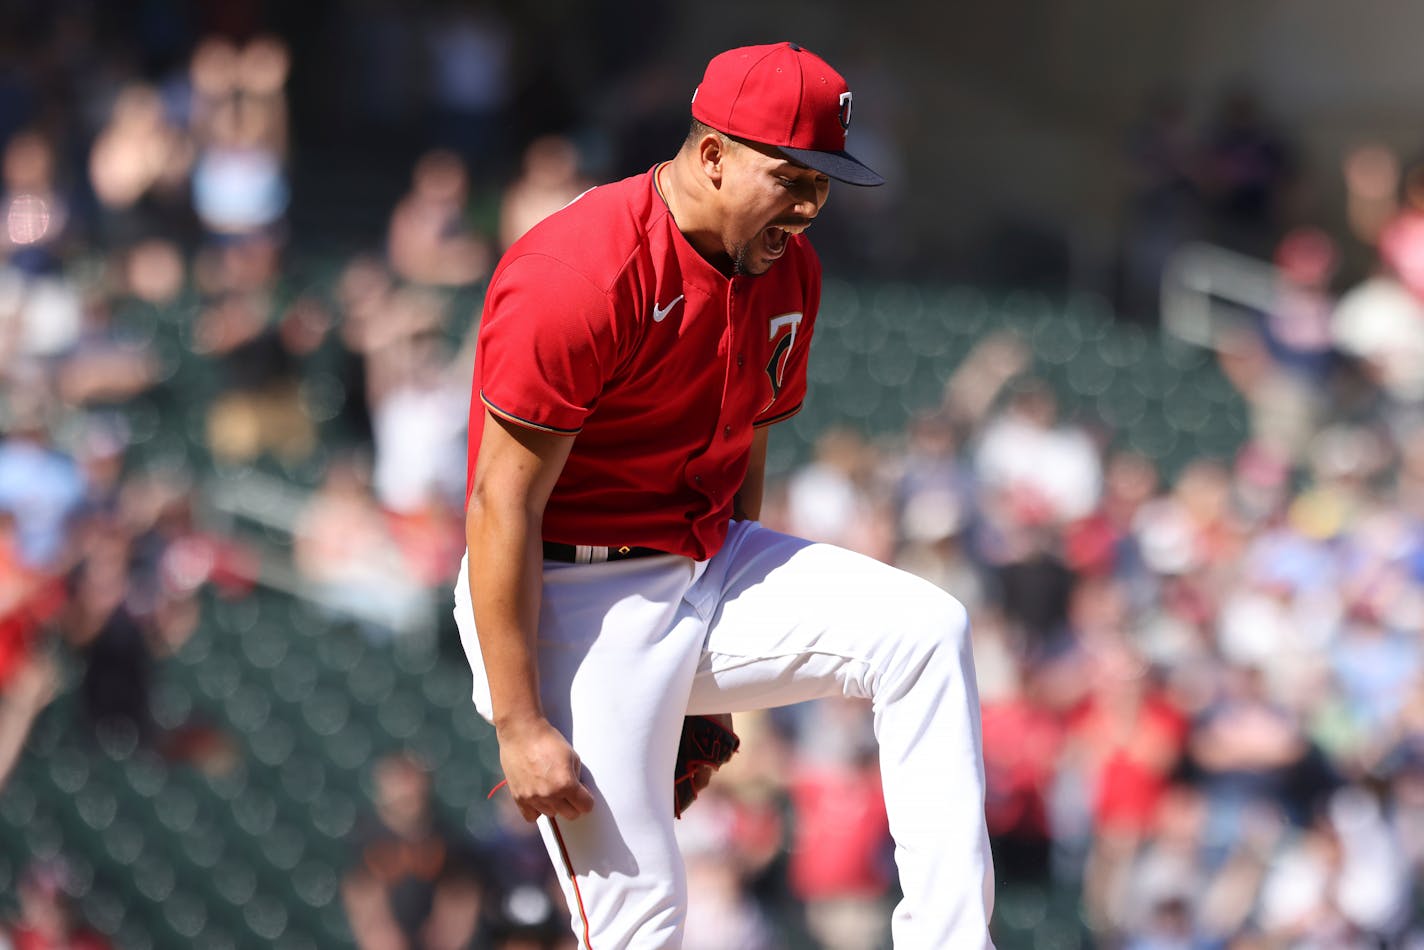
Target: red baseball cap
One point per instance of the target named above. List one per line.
(787, 97)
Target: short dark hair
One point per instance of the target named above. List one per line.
(697, 130)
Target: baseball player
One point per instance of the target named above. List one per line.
(634, 351)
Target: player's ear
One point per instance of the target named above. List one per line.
(712, 155)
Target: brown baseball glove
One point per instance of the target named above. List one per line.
(707, 744)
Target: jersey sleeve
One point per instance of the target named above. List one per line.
(791, 393)
(546, 345)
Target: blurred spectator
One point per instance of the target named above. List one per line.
(1246, 753)
(152, 270)
(26, 687)
(934, 501)
(428, 241)
(344, 549)
(110, 629)
(39, 306)
(1297, 328)
(418, 410)
(549, 179)
(139, 166)
(720, 913)
(412, 883)
(40, 485)
(1041, 469)
(840, 857)
(48, 919)
(524, 903)
(471, 54)
(29, 597)
(105, 365)
(1371, 174)
(834, 500)
(1284, 368)
(239, 122)
(1165, 208)
(1125, 739)
(259, 407)
(1023, 741)
(1247, 168)
(1166, 888)
(748, 823)
(1340, 882)
(1380, 321)
(36, 212)
(1103, 542)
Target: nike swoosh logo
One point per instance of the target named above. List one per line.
(660, 313)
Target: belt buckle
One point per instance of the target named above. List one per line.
(624, 549)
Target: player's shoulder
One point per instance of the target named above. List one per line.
(595, 235)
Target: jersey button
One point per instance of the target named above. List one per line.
(697, 479)
(727, 431)
(741, 360)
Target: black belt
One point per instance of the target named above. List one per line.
(588, 554)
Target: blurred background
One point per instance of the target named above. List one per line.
(1128, 356)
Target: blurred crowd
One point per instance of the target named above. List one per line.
(1203, 689)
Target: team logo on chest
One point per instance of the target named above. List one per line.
(785, 327)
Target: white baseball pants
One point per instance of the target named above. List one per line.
(627, 648)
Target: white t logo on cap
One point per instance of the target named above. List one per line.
(845, 110)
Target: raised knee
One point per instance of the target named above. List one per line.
(932, 640)
(942, 623)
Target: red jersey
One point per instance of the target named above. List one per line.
(604, 323)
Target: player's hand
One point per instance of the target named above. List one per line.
(542, 770)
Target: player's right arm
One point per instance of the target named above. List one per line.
(514, 476)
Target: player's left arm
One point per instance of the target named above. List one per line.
(746, 505)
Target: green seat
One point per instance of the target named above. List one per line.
(433, 743)
(266, 917)
(248, 708)
(963, 311)
(97, 806)
(372, 680)
(134, 934)
(401, 715)
(303, 778)
(316, 884)
(1123, 346)
(295, 679)
(266, 645)
(326, 712)
(893, 363)
(840, 304)
(102, 909)
(283, 846)
(333, 814)
(154, 876)
(255, 811)
(18, 803)
(351, 748)
(186, 913)
(218, 678)
(203, 844)
(235, 881)
(69, 770)
(1188, 409)
(273, 743)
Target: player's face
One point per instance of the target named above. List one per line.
(767, 198)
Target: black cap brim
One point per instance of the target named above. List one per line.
(841, 166)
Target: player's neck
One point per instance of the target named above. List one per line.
(692, 211)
